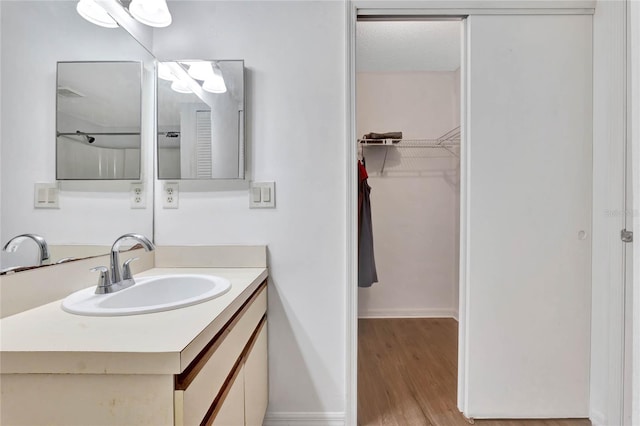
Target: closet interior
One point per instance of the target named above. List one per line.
(409, 125)
(408, 86)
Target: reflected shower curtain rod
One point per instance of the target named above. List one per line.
(79, 133)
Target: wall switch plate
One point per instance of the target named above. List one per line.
(170, 195)
(46, 196)
(262, 195)
(137, 196)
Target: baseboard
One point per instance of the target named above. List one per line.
(597, 418)
(409, 313)
(288, 418)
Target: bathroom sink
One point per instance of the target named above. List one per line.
(149, 294)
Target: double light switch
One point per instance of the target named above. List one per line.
(262, 195)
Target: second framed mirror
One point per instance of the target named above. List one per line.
(201, 119)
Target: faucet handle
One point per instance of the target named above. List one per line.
(103, 281)
(126, 269)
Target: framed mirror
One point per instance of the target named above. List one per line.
(89, 214)
(98, 112)
(200, 107)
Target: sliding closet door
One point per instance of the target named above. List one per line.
(529, 182)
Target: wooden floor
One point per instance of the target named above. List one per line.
(407, 375)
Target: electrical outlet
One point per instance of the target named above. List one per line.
(170, 195)
(137, 196)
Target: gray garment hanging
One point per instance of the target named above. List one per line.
(367, 274)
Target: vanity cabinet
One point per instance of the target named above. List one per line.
(229, 374)
(224, 382)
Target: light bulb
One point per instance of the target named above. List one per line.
(94, 13)
(164, 72)
(154, 13)
(180, 87)
(215, 83)
(200, 70)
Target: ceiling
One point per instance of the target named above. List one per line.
(110, 94)
(408, 46)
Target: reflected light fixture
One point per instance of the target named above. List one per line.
(94, 13)
(215, 83)
(200, 70)
(180, 87)
(164, 72)
(154, 13)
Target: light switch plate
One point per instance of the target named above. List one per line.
(137, 196)
(46, 196)
(262, 195)
(170, 195)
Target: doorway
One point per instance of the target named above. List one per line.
(508, 116)
(408, 122)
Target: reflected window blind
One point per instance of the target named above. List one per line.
(203, 144)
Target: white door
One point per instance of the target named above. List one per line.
(528, 199)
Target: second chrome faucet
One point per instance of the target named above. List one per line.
(118, 277)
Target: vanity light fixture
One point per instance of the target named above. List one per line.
(200, 70)
(154, 13)
(180, 87)
(164, 72)
(215, 83)
(94, 13)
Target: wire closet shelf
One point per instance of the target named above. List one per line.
(450, 141)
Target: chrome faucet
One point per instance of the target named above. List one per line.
(118, 277)
(13, 244)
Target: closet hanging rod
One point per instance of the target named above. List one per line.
(409, 143)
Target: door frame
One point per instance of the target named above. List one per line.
(633, 10)
(352, 295)
(423, 8)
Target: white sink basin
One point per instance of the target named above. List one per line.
(149, 294)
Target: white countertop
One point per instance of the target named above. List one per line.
(47, 339)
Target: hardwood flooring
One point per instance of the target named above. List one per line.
(407, 375)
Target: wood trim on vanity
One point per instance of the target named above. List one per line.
(217, 403)
(184, 379)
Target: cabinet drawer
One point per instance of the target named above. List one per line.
(251, 368)
(196, 390)
(231, 411)
(256, 381)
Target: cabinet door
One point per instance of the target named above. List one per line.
(256, 385)
(231, 411)
(529, 177)
(198, 387)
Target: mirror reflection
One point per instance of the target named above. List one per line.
(201, 120)
(76, 219)
(98, 120)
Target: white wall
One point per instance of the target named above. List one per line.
(36, 34)
(415, 223)
(295, 58)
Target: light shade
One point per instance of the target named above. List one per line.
(180, 87)
(164, 72)
(94, 13)
(215, 83)
(154, 13)
(200, 70)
